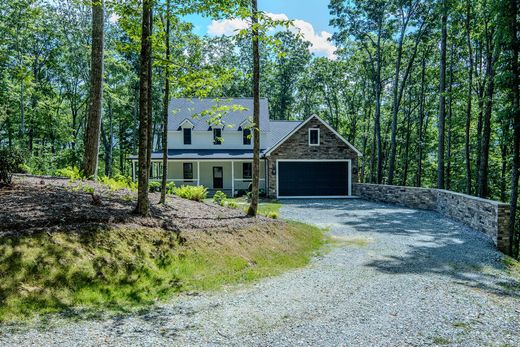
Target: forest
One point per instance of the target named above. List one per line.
(427, 90)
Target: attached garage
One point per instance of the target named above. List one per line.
(313, 178)
(312, 161)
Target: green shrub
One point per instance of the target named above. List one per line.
(170, 188)
(118, 182)
(219, 198)
(71, 172)
(273, 215)
(231, 204)
(195, 193)
(154, 187)
(10, 162)
(88, 189)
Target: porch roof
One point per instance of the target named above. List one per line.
(204, 154)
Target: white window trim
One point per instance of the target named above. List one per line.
(186, 123)
(314, 144)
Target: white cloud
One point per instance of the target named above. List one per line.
(226, 27)
(320, 44)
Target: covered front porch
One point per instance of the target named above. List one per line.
(233, 177)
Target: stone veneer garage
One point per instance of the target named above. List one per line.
(297, 168)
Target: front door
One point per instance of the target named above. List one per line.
(218, 177)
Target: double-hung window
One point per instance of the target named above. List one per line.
(314, 137)
(217, 136)
(187, 169)
(246, 136)
(186, 132)
(247, 171)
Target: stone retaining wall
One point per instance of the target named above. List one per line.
(487, 216)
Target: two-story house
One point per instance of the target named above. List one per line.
(298, 158)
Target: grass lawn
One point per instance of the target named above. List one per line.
(126, 268)
(267, 208)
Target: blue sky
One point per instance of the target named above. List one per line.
(311, 17)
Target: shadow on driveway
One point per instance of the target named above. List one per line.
(412, 241)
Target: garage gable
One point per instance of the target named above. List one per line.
(312, 160)
(296, 144)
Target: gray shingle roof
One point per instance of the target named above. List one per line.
(278, 130)
(191, 109)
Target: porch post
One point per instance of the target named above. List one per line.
(232, 179)
(198, 173)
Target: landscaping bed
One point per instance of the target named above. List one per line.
(36, 204)
(60, 252)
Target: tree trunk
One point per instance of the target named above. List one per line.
(165, 106)
(92, 133)
(420, 147)
(395, 107)
(450, 120)
(256, 111)
(481, 88)
(143, 202)
(514, 95)
(442, 98)
(377, 120)
(467, 149)
(108, 140)
(483, 185)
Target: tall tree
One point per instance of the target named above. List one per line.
(467, 149)
(165, 104)
(483, 183)
(253, 207)
(92, 134)
(145, 103)
(442, 97)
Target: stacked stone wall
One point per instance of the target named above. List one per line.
(487, 216)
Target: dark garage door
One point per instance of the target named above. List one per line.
(315, 178)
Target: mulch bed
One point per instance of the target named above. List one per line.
(35, 204)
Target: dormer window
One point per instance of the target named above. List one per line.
(186, 133)
(314, 137)
(246, 136)
(217, 136)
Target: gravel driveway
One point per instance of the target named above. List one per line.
(395, 277)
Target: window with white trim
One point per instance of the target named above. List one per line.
(217, 136)
(246, 136)
(186, 132)
(247, 171)
(187, 171)
(314, 137)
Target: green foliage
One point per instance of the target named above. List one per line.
(195, 193)
(272, 214)
(231, 204)
(73, 173)
(88, 189)
(128, 268)
(154, 186)
(118, 182)
(220, 198)
(170, 188)
(10, 162)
